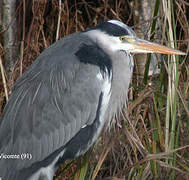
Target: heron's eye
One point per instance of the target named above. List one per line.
(122, 38)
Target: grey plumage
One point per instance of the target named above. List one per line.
(60, 104)
(52, 110)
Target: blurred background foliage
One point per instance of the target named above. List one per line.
(151, 138)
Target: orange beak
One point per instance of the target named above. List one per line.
(142, 46)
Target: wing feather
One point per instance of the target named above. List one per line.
(50, 103)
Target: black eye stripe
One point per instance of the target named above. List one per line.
(114, 29)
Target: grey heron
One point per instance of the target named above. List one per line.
(60, 105)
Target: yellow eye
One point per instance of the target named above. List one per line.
(122, 38)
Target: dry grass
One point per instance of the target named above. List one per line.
(136, 147)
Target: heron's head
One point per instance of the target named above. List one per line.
(117, 36)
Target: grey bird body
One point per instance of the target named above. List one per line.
(60, 105)
(62, 109)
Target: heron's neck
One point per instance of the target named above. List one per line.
(122, 64)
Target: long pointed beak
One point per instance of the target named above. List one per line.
(143, 46)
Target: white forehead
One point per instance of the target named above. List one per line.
(119, 23)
